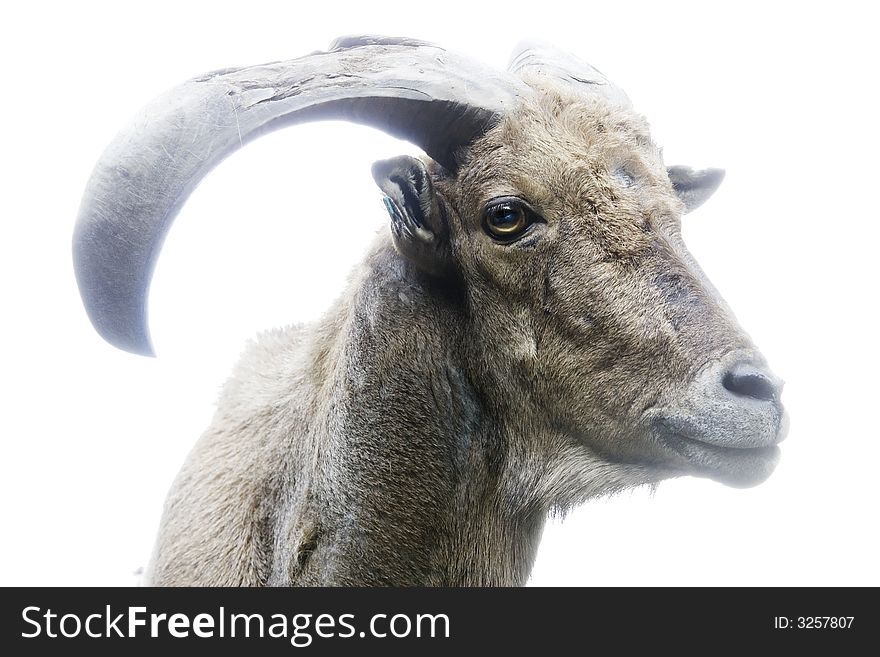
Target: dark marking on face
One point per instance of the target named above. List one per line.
(672, 287)
(683, 302)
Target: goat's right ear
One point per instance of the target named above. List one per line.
(418, 222)
(694, 187)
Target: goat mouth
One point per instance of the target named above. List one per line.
(740, 467)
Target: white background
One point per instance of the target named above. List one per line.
(779, 95)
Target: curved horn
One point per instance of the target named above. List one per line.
(410, 89)
(545, 60)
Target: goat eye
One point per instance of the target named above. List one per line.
(506, 220)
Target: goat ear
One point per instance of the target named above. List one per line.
(694, 187)
(418, 223)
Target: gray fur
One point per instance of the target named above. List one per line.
(422, 431)
(462, 389)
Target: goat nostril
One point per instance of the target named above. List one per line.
(748, 381)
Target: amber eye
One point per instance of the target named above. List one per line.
(507, 219)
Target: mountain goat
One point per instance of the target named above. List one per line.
(528, 333)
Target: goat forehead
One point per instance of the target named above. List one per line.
(576, 124)
(557, 144)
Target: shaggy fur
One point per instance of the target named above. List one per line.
(421, 432)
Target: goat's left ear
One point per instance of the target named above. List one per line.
(694, 187)
(418, 223)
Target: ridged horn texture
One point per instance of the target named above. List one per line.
(533, 59)
(410, 89)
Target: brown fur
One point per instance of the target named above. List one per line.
(421, 432)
